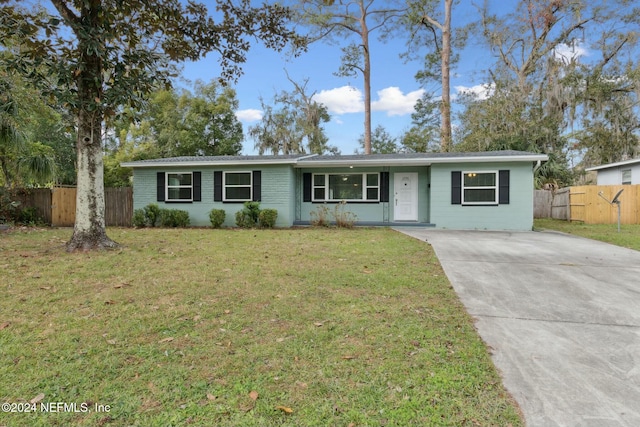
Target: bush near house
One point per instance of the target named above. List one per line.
(154, 216)
(216, 217)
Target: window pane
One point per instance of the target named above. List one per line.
(488, 195)
(243, 178)
(238, 193)
(345, 187)
(179, 179)
(318, 180)
(179, 193)
(318, 193)
(372, 180)
(372, 194)
(626, 176)
(479, 179)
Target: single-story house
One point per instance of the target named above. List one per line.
(619, 173)
(484, 190)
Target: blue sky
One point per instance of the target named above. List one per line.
(393, 85)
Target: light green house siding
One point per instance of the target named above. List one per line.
(278, 183)
(517, 215)
(366, 212)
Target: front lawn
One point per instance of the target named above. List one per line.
(629, 236)
(301, 327)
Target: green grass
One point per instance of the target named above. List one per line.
(629, 236)
(228, 327)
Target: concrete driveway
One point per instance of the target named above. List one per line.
(561, 315)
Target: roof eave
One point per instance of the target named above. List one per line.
(424, 161)
(206, 163)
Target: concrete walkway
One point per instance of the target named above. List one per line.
(561, 315)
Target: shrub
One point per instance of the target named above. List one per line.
(29, 216)
(344, 218)
(139, 219)
(174, 218)
(248, 216)
(152, 214)
(267, 218)
(216, 216)
(320, 217)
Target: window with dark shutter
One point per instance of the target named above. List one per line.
(306, 187)
(217, 186)
(503, 184)
(160, 186)
(257, 186)
(456, 187)
(384, 186)
(197, 186)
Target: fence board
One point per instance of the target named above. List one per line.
(589, 207)
(63, 206)
(118, 206)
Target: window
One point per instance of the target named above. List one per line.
(237, 186)
(179, 187)
(479, 188)
(626, 176)
(347, 186)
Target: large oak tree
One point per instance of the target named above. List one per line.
(100, 55)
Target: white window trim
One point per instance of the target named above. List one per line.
(495, 187)
(364, 186)
(225, 186)
(167, 186)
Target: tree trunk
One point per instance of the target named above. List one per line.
(89, 231)
(445, 125)
(367, 84)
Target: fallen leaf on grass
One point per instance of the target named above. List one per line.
(45, 288)
(37, 399)
(253, 395)
(285, 409)
(318, 324)
(112, 342)
(109, 302)
(348, 357)
(168, 339)
(121, 285)
(211, 396)
(4, 325)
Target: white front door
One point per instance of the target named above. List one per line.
(405, 187)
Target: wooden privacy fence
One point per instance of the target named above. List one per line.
(57, 206)
(584, 203)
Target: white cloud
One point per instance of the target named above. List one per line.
(249, 115)
(566, 53)
(347, 99)
(481, 91)
(394, 102)
(341, 100)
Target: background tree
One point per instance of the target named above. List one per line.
(105, 54)
(381, 142)
(540, 89)
(340, 20)
(175, 124)
(293, 125)
(430, 25)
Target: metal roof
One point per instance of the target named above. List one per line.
(614, 165)
(314, 160)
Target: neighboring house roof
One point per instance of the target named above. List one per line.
(314, 160)
(615, 165)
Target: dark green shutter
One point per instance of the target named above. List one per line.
(384, 186)
(257, 186)
(456, 187)
(217, 186)
(197, 186)
(160, 186)
(306, 187)
(503, 187)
